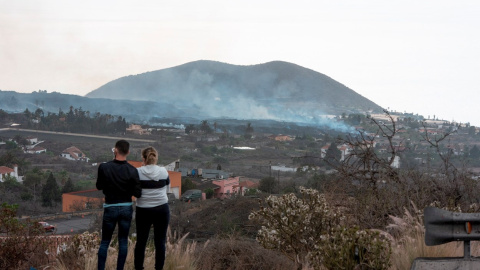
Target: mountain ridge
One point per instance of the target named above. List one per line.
(273, 90)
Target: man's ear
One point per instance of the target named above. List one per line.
(128, 153)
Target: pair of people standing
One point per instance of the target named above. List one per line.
(120, 181)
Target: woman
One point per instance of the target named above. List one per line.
(152, 208)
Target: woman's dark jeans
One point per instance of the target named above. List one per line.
(159, 217)
(111, 216)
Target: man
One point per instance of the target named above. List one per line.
(119, 181)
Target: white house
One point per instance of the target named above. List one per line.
(4, 171)
(32, 140)
(73, 153)
(36, 150)
(344, 149)
(396, 162)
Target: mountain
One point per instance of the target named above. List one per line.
(274, 90)
(134, 111)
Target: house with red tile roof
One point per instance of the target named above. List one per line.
(344, 149)
(227, 187)
(73, 153)
(244, 186)
(6, 171)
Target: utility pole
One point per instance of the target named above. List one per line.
(270, 168)
(278, 177)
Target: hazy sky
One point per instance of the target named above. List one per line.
(414, 56)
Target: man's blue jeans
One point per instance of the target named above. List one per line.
(111, 216)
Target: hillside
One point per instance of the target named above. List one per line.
(275, 90)
(11, 101)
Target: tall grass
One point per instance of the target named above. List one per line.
(407, 234)
(179, 255)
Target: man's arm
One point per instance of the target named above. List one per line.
(100, 178)
(137, 188)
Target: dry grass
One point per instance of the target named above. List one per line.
(239, 253)
(180, 255)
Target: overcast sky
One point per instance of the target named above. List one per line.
(409, 56)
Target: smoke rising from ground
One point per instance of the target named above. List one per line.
(277, 91)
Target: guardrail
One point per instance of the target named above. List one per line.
(442, 227)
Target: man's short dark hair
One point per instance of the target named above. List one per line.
(122, 147)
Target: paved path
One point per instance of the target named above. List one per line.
(77, 134)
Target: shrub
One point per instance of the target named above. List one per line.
(23, 245)
(308, 228)
(236, 254)
(209, 193)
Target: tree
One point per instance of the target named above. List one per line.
(10, 182)
(32, 180)
(333, 155)
(51, 192)
(190, 129)
(21, 248)
(63, 176)
(205, 128)
(475, 152)
(187, 184)
(267, 184)
(20, 140)
(471, 130)
(208, 193)
(248, 131)
(68, 187)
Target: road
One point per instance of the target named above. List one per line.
(78, 134)
(72, 225)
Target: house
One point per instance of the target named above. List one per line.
(429, 131)
(226, 187)
(73, 153)
(396, 162)
(283, 138)
(323, 151)
(6, 171)
(137, 129)
(214, 174)
(207, 138)
(344, 149)
(244, 186)
(35, 150)
(204, 173)
(173, 166)
(32, 140)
